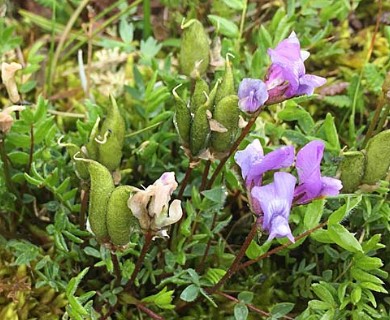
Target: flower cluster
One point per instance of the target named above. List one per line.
(151, 206)
(274, 201)
(286, 77)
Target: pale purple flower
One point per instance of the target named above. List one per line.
(254, 163)
(286, 76)
(252, 94)
(275, 200)
(311, 184)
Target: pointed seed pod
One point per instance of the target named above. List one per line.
(102, 185)
(110, 152)
(92, 146)
(120, 219)
(352, 168)
(200, 131)
(227, 86)
(182, 119)
(211, 100)
(378, 157)
(227, 113)
(199, 96)
(81, 167)
(194, 51)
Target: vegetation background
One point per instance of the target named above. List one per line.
(75, 53)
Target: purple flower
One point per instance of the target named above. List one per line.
(275, 200)
(311, 183)
(254, 163)
(252, 94)
(286, 76)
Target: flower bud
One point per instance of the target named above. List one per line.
(194, 54)
(227, 113)
(8, 71)
(352, 169)
(378, 157)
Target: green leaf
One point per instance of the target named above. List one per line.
(294, 112)
(323, 293)
(356, 295)
(246, 296)
(74, 282)
(319, 305)
(163, 299)
(254, 250)
(19, 157)
(224, 26)
(281, 309)
(217, 195)
(342, 237)
(190, 293)
(368, 263)
(126, 31)
(234, 4)
(240, 311)
(343, 211)
(321, 236)
(313, 213)
(364, 276)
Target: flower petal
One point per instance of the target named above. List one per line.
(252, 94)
(279, 158)
(330, 186)
(247, 157)
(307, 84)
(280, 229)
(308, 161)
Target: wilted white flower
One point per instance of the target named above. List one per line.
(151, 206)
(8, 71)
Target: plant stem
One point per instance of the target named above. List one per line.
(206, 252)
(31, 155)
(185, 181)
(84, 195)
(242, 24)
(6, 168)
(140, 261)
(280, 248)
(147, 29)
(231, 151)
(382, 119)
(379, 106)
(149, 312)
(250, 306)
(117, 269)
(205, 175)
(235, 265)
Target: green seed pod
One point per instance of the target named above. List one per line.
(227, 86)
(200, 131)
(92, 146)
(102, 185)
(211, 100)
(194, 51)
(182, 119)
(113, 131)
(378, 157)
(120, 220)
(352, 169)
(226, 112)
(81, 167)
(199, 98)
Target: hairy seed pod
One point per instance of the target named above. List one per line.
(81, 167)
(120, 219)
(200, 131)
(227, 113)
(92, 146)
(102, 186)
(378, 157)
(194, 51)
(199, 96)
(113, 131)
(352, 168)
(211, 100)
(182, 120)
(226, 88)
